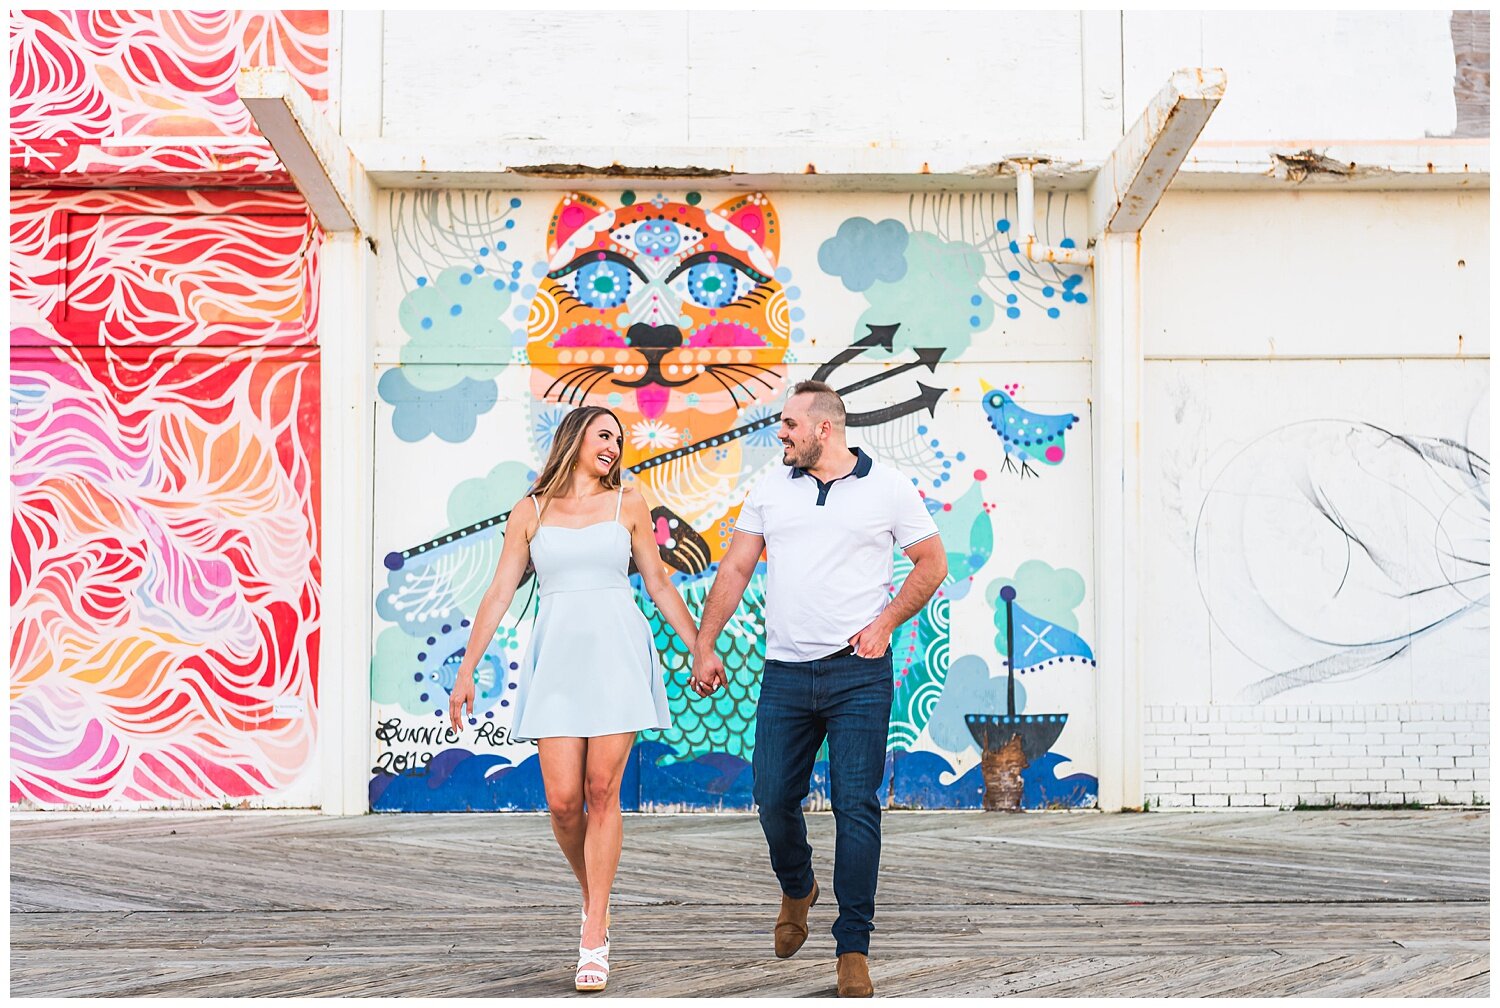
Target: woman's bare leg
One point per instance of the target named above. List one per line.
(604, 768)
(563, 779)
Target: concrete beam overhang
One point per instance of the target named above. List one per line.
(1337, 165)
(1135, 176)
(325, 171)
(402, 163)
(1265, 165)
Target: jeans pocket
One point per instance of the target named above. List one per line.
(774, 682)
(872, 670)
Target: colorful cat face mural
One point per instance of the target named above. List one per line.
(671, 315)
(662, 311)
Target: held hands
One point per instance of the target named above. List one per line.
(707, 673)
(463, 693)
(873, 641)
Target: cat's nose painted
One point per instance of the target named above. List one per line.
(649, 337)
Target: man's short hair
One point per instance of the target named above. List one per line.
(826, 403)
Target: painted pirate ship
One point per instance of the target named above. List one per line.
(1010, 742)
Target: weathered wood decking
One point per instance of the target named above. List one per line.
(971, 904)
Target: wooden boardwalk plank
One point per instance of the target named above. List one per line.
(971, 904)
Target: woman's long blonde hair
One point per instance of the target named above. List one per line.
(558, 470)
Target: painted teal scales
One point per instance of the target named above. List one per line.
(591, 667)
(724, 722)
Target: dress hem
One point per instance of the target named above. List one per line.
(533, 738)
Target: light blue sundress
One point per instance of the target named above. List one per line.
(590, 667)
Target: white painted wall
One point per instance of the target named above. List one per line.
(1260, 311)
(907, 79)
(1317, 274)
(1346, 75)
(1289, 338)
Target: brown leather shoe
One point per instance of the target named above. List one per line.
(854, 975)
(791, 923)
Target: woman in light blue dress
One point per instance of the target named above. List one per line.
(590, 678)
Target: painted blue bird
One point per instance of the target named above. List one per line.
(1026, 435)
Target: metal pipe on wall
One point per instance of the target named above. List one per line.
(1030, 246)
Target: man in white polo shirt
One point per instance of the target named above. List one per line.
(829, 524)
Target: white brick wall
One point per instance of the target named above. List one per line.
(1371, 754)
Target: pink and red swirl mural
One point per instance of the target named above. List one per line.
(156, 268)
(164, 574)
(164, 417)
(105, 96)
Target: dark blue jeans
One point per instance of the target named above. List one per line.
(847, 699)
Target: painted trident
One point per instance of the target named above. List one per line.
(882, 336)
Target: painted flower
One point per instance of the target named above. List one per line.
(545, 428)
(653, 434)
(761, 437)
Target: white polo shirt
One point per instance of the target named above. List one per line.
(830, 551)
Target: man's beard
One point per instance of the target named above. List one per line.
(809, 456)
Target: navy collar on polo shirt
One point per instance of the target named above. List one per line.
(862, 463)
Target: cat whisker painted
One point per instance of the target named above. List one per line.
(742, 380)
(567, 379)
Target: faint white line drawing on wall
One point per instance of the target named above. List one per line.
(1328, 547)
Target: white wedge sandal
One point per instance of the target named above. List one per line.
(593, 963)
(593, 968)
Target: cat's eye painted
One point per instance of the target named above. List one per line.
(599, 279)
(714, 279)
(713, 285)
(601, 283)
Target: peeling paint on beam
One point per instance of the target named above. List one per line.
(801, 181)
(1297, 167)
(619, 171)
(407, 163)
(401, 163)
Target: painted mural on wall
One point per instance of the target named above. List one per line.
(164, 572)
(164, 416)
(689, 314)
(117, 97)
(1357, 545)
